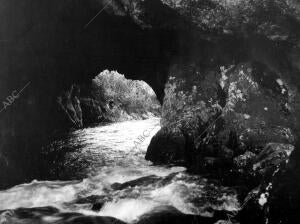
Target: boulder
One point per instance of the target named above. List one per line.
(96, 201)
(271, 157)
(223, 113)
(137, 182)
(275, 198)
(249, 111)
(167, 146)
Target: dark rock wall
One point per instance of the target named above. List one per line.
(51, 45)
(231, 75)
(231, 110)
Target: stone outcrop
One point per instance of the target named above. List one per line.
(224, 113)
(229, 74)
(170, 144)
(237, 124)
(238, 119)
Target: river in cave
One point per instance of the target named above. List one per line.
(115, 180)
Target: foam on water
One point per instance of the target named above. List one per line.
(128, 210)
(110, 156)
(38, 194)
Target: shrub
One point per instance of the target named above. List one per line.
(130, 96)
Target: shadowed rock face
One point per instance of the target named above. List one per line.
(50, 46)
(210, 69)
(60, 39)
(239, 124)
(225, 112)
(238, 120)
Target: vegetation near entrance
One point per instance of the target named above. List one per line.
(122, 95)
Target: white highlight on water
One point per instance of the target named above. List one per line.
(112, 159)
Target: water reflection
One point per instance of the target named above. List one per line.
(114, 179)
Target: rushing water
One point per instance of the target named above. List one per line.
(116, 180)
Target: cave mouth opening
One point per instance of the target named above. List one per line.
(115, 97)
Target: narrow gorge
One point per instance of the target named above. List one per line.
(150, 111)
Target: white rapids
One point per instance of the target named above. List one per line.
(112, 154)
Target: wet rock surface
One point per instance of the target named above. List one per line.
(239, 119)
(50, 214)
(234, 127)
(230, 75)
(225, 115)
(171, 146)
(138, 182)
